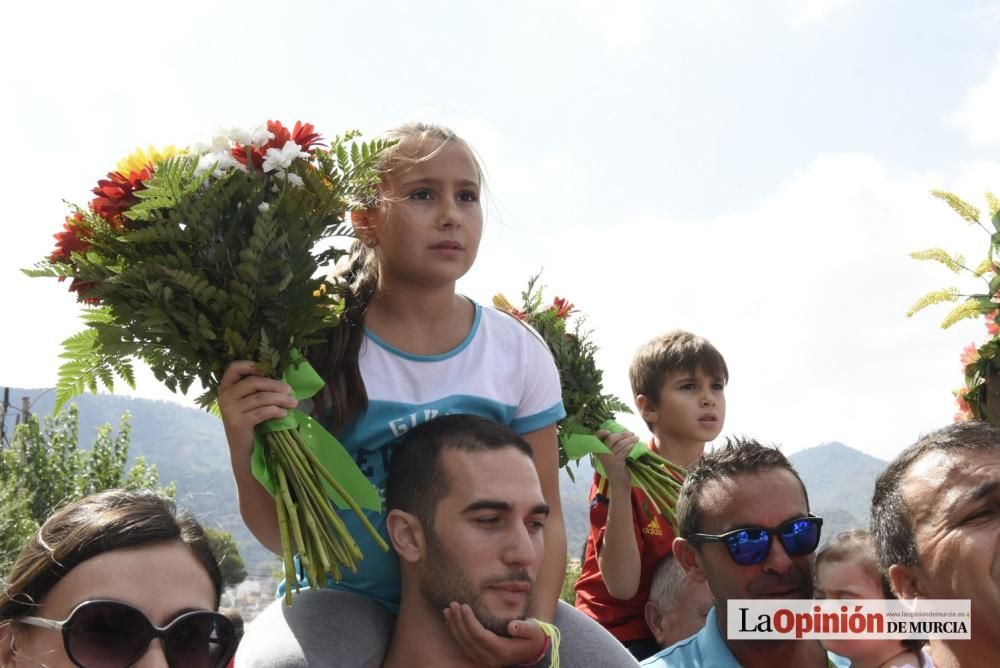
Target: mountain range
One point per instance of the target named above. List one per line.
(188, 446)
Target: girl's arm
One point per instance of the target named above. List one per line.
(247, 398)
(548, 585)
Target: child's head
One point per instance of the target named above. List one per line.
(425, 222)
(421, 229)
(678, 382)
(848, 568)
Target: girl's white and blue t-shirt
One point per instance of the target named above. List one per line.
(501, 371)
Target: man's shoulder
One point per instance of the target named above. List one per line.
(683, 653)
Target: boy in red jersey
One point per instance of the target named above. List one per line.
(678, 381)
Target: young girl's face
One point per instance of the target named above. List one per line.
(847, 580)
(429, 229)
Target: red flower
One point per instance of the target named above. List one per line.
(991, 323)
(302, 134)
(115, 195)
(563, 308)
(964, 410)
(969, 355)
(74, 238)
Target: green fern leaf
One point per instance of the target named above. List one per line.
(936, 297)
(960, 206)
(994, 204)
(955, 263)
(984, 267)
(964, 311)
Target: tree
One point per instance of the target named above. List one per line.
(228, 555)
(43, 469)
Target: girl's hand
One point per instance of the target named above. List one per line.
(247, 398)
(614, 464)
(525, 643)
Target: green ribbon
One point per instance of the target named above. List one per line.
(581, 442)
(305, 383)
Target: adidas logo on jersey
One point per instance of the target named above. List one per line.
(653, 528)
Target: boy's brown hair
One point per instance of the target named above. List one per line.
(674, 351)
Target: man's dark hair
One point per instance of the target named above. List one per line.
(417, 477)
(738, 456)
(891, 524)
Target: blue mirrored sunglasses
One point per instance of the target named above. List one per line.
(751, 545)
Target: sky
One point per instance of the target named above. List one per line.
(756, 173)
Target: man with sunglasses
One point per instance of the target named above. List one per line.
(935, 522)
(745, 529)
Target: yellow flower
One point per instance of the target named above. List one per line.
(502, 303)
(142, 158)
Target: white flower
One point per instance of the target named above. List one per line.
(221, 160)
(291, 177)
(282, 158)
(260, 135)
(237, 135)
(263, 206)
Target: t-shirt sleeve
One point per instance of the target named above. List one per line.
(541, 397)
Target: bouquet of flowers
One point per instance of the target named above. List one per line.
(191, 259)
(588, 408)
(979, 398)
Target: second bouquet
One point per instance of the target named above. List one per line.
(190, 259)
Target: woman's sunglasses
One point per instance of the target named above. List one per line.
(112, 634)
(751, 545)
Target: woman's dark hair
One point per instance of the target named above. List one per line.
(337, 359)
(111, 520)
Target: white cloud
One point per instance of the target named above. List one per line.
(805, 12)
(804, 292)
(623, 25)
(979, 115)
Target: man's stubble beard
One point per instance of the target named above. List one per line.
(443, 581)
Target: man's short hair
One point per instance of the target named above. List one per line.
(417, 477)
(738, 456)
(891, 524)
(674, 351)
(668, 583)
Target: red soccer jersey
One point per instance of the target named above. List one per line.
(624, 619)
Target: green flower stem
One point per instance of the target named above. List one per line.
(655, 490)
(347, 497)
(286, 548)
(290, 507)
(289, 447)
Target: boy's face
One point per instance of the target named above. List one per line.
(691, 407)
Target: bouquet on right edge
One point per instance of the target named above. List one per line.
(979, 398)
(588, 408)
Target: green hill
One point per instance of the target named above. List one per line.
(188, 446)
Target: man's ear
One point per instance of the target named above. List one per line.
(654, 617)
(905, 582)
(647, 409)
(689, 558)
(406, 534)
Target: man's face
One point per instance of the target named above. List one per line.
(486, 543)
(954, 504)
(767, 499)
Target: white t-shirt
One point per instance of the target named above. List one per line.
(502, 371)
